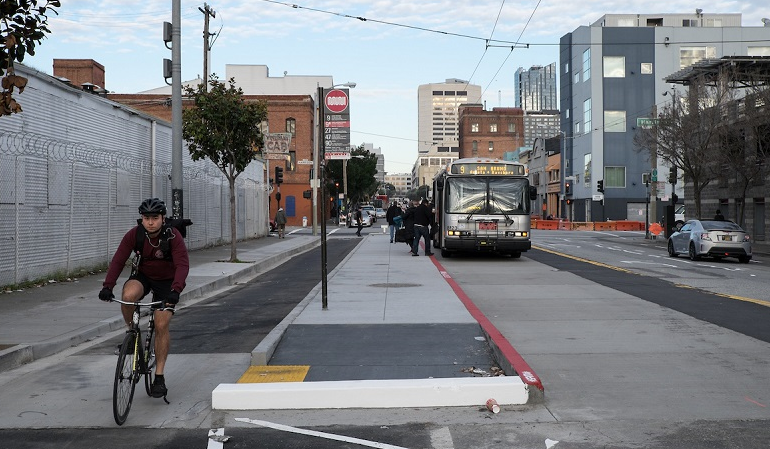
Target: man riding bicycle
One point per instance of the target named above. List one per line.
(162, 269)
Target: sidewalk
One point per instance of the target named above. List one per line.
(41, 321)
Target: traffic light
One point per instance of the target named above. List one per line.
(279, 175)
(568, 187)
(600, 185)
(672, 175)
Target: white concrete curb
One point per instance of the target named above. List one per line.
(396, 393)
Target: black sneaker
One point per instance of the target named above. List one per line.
(159, 389)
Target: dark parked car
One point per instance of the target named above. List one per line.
(710, 238)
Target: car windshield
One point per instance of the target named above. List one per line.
(713, 225)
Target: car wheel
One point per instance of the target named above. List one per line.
(693, 255)
(516, 255)
(671, 251)
(744, 259)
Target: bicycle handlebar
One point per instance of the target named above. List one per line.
(138, 304)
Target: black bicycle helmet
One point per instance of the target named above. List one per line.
(152, 206)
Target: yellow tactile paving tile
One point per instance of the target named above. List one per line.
(270, 373)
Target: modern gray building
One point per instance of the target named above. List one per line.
(535, 89)
(612, 75)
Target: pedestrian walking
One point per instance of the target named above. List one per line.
(393, 212)
(161, 267)
(280, 223)
(423, 219)
(359, 220)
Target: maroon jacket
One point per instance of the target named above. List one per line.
(153, 265)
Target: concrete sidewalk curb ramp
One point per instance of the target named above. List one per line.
(24, 353)
(397, 393)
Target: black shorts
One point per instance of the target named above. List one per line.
(159, 289)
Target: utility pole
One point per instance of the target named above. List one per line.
(177, 198)
(207, 12)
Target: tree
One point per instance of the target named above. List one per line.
(224, 128)
(686, 135)
(23, 24)
(360, 170)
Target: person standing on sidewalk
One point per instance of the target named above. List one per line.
(423, 219)
(359, 220)
(280, 223)
(393, 212)
(162, 266)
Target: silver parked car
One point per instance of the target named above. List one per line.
(710, 238)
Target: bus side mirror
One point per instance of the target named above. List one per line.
(532, 193)
(440, 184)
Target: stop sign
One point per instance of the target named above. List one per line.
(336, 101)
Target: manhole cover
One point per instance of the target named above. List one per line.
(395, 285)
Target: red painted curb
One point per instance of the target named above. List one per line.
(524, 371)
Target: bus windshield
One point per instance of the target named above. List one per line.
(491, 196)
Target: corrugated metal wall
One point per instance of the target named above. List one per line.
(75, 166)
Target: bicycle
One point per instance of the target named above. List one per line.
(135, 359)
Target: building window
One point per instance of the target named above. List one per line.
(614, 66)
(291, 126)
(493, 127)
(491, 146)
(566, 68)
(713, 22)
(587, 170)
(292, 161)
(615, 177)
(587, 65)
(475, 147)
(690, 55)
(511, 127)
(758, 51)
(615, 121)
(474, 127)
(690, 23)
(577, 77)
(646, 68)
(587, 115)
(577, 127)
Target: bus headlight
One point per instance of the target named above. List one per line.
(517, 234)
(458, 233)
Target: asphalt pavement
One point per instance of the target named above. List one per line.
(393, 325)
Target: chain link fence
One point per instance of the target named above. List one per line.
(65, 206)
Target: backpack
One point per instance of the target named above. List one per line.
(165, 234)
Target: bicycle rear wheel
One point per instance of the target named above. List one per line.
(126, 374)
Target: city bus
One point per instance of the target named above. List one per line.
(483, 204)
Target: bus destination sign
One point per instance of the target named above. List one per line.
(491, 169)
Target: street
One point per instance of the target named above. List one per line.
(641, 356)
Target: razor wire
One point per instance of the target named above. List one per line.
(29, 144)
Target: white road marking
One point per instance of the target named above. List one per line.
(216, 443)
(314, 433)
(441, 439)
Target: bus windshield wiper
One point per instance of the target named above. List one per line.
(508, 220)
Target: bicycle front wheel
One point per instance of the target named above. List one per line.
(149, 355)
(126, 375)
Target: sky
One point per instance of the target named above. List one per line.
(400, 45)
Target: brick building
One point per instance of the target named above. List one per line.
(490, 133)
(80, 72)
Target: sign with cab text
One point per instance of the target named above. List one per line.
(277, 143)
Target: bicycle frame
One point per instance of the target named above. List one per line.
(140, 351)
